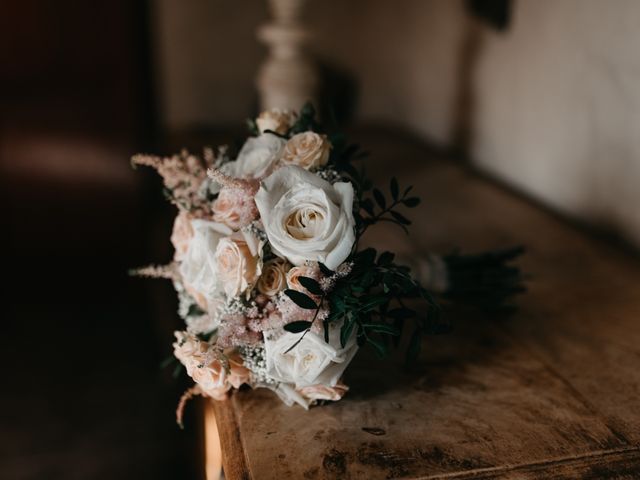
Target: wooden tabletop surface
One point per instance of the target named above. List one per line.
(552, 392)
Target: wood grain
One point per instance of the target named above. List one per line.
(550, 393)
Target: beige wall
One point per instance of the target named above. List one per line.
(558, 108)
(552, 105)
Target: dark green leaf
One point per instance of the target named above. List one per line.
(300, 299)
(394, 188)
(346, 330)
(298, 326)
(325, 271)
(366, 256)
(411, 202)
(400, 218)
(385, 259)
(195, 310)
(377, 194)
(379, 347)
(381, 328)
(252, 127)
(311, 285)
(177, 370)
(367, 206)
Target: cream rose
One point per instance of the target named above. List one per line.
(294, 274)
(257, 157)
(238, 262)
(307, 218)
(181, 234)
(274, 277)
(307, 150)
(312, 361)
(198, 267)
(277, 120)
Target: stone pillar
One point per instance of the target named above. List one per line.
(288, 78)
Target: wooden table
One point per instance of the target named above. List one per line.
(551, 393)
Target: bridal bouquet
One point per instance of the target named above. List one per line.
(273, 286)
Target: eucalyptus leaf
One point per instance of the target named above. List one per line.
(300, 299)
(393, 186)
(382, 328)
(411, 202)
(380, 200)
(311, 285)
(297, 326)
(400, 218)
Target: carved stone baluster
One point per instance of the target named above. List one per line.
(288, 77)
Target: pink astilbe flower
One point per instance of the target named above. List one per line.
(169, 271)
(183, 175)
(266, 317)
(234, 331)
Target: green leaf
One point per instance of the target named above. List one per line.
(346, 330)
(297, 326)
(400, 218)
(377, 194)
(325, 271)
(311, 285)
(411, 202)
(252, 127)
(385, 258)
(393, 186)
(366, 256)
(308, 110)
(300, 299)
(367, 206)
(195, 310)
(382, 328)
(379, 347)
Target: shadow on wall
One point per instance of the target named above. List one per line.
(496, 14)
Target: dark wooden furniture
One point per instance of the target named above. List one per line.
(551, 393)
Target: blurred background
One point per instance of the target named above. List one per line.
(541, 95)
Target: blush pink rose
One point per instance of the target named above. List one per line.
(234, 207)
(215, 372)
(324, 392)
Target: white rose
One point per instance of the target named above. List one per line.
(277, 120)
(312, 361)
(257, 157)
(307, 150)
(307, 218)
(198, 266)
(288, 394)
(238, 262)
